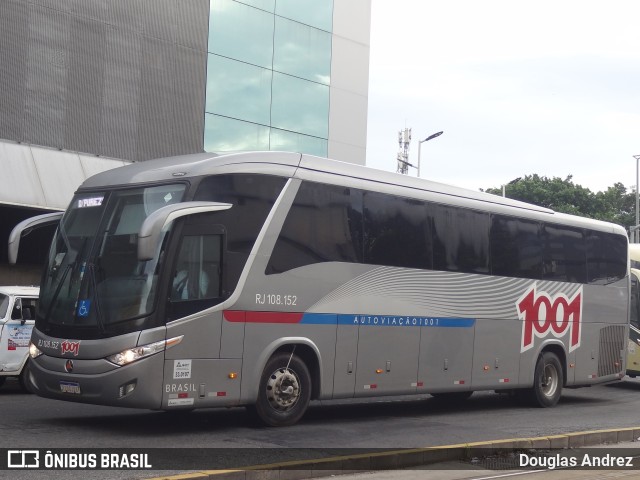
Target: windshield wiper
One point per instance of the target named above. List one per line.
(57, 292)
(94, 285)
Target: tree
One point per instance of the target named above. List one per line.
(617, 205)
(613, 205)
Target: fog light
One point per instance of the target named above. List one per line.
(126, 389)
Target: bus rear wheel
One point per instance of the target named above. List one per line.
(284, 392)
(547, 381)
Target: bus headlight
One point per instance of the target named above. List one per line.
(136, 353)
(34, 352)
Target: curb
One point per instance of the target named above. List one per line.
(406, 458)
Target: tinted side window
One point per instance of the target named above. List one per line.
(323, 225)
(564, 254)
(460, 240)
(606, 257)
(252, 197)
(397, 232)
(516, 248)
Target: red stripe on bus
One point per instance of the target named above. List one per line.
(262, 317)
(234, 316)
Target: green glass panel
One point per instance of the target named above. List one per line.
(238, 90)
(300, 106)
(223, 134)
(268, 5)
(296, 142)
(317, 13)
(302, 51)
(241, 32)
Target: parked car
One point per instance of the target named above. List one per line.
(17, 315)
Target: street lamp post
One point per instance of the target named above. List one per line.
(635, 231)
(420, 142)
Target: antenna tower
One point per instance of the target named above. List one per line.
(404, 141)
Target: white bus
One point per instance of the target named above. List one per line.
(271, 279)
(633, 356)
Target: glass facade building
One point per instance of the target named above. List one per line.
(90, 85)
(268, 75)
(148, 79)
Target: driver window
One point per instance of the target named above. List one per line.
(198, 268)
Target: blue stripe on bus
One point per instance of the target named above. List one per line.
(386, 320)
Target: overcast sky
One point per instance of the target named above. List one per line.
(519, 87)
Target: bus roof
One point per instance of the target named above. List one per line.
(202, 164)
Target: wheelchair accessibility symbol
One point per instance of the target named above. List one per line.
(84, 307)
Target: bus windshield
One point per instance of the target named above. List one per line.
(93, 281)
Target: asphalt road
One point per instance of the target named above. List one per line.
(28, 421)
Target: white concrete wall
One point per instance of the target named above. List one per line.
(40, 177)
(349, 91)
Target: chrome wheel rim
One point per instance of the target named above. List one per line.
(549, 380)
(283, 389)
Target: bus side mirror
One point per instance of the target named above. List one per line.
(25, 227)
(158, 222)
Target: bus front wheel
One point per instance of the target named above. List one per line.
(284, 392)
(547, 381)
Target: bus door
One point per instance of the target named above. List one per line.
(633, 357)
(194, 371)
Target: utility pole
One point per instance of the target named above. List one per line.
(420, 142)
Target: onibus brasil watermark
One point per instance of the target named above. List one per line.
(55, 460)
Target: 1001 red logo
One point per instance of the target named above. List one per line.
(543, 315)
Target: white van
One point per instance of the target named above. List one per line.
(17, 315)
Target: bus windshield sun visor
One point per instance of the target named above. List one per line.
(25, 227)
(157, 223)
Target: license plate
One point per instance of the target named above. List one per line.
(70, 387)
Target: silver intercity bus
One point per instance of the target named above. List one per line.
(271, 279)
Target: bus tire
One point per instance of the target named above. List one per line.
(548, 379)
(284, 392)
